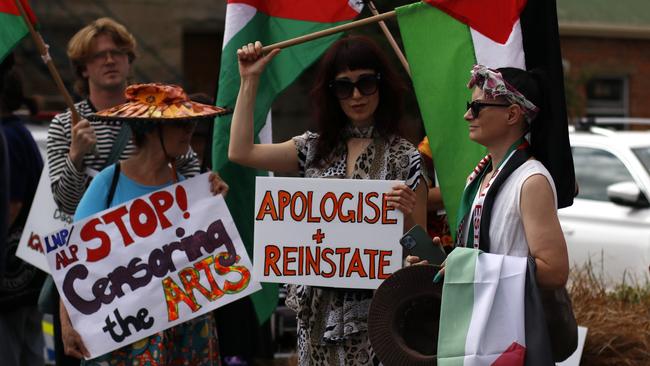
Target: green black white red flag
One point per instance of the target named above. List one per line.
(443, 39)
(12, 26)
(269, 21)
(482, 315)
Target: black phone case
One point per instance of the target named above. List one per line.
(418, 243)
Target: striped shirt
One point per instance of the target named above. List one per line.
(68, 183)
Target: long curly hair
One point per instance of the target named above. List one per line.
(354, 53)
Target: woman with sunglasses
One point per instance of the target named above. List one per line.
(162, 119)
(521, 219)
(357, 99)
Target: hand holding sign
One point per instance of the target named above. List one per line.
(148, 264)
(402, 198)
(326, 232)
(73, 345)
(217, 185)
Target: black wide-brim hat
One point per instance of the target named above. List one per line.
(404, 317)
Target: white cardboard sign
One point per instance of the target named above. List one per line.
(44, 217)
(325, 232)
(149, 264)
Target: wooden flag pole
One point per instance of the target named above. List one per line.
(391, 39)
(45, 55)
(330, 31)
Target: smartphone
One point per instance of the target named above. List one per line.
(418, 243)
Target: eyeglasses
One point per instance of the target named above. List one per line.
(113, 53)
(476, 106)
(366, 85)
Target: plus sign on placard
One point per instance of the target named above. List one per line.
(318, 236)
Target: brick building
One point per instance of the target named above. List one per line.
(606, 51)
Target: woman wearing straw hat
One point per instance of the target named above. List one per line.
(357, 99)
(162, 119)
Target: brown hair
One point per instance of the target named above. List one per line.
(80, 45)
(354, 53)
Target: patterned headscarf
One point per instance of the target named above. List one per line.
(493, 85)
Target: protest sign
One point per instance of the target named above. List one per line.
(148, 264)
(325, 232)
(44, 217)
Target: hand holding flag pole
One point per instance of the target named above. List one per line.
(43, 50)
(47, 59)
(375, 18)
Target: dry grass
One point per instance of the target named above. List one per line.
(618, 321)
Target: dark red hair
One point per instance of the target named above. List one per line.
(354, 53)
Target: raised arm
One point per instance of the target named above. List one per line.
(543, 232)
(242, 149)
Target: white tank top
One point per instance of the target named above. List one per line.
(507, 235)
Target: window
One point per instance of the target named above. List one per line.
(607, 97)
(201, 61)
(596, 169)
(643, 153)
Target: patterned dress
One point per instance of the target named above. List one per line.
(191, 343)
(333, 323)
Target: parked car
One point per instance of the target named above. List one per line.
(609, 222)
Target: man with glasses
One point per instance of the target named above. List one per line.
(101, 54)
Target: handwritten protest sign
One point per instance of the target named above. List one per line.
(325, 232)
(149, 264)
(44, 217)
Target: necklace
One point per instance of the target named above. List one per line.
(352, 131)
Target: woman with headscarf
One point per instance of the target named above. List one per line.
(511, 188)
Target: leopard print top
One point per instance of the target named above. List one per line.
(401, 160)
(334, 315)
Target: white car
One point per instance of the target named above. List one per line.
(609, 222)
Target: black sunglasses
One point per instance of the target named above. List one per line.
(476, 106)
(366, 85)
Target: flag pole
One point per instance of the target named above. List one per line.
(45, 55)
(391, 39)
(330, 31)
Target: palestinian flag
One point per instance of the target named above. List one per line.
(12, 25)
(443, 39)
(482, 315)
(269, 21)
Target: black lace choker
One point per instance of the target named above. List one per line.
(359, 132)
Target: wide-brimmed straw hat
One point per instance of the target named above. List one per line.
(157, 102)
(404, 317)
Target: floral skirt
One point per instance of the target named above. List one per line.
(191, 343)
